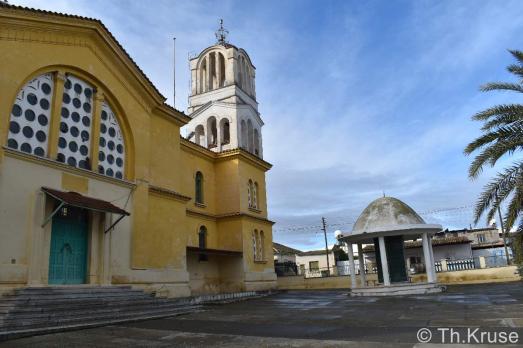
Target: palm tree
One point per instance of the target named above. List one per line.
(502, 135)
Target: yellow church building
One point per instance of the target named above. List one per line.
(97, 185)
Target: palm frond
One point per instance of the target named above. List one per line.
(502, 120)
(501, 133)
(492, 154)
(516, 70)
(498, 110)
(514, 207)
(501, 86)
(517, 54)
(498, 189)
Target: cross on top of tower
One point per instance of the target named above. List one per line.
(221, 34)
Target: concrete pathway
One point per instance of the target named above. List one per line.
(316, 319)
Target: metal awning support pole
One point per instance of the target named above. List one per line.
(62, 203)
(114, 224)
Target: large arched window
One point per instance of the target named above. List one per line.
(111, 153)
(198, 195)
(31, 117)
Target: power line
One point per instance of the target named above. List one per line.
(316, 228)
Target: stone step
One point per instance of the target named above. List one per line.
(52, 292)
(47, 313)
(68, 305)
(21, 332)
(96, 320)
(73, 296)
(88, 316)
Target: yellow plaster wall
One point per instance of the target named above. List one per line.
(228, 187)
(166, 167)
(476, 276)
(74, 183)
(164, 237)
(193, 163)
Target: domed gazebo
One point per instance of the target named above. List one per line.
(386, 223)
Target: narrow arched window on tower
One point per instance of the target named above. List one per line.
(243, 132)
(198, 181)
(203, 76)
(199, 135)
(250, 135)
(212, 71)
(256, 143)
(212, 132)
(221, 62)
(225, 131)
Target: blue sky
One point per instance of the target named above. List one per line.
(358, 97)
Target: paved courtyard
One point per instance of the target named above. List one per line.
(312, 319)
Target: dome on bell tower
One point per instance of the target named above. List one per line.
(223, 102)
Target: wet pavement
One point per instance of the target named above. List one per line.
(314, 318)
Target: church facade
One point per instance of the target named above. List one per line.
(97, 186)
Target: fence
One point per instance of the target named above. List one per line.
(334, 271)
(471, 263)
(291, 269)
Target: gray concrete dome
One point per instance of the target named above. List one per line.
(385, 213)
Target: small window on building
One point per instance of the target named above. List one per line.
(255, 196)
(250, 189)
(202, 242)
(198, 195)
(482, 238)
(254, 245)
(314, 265)
(262, 246)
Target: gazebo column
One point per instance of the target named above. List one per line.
(352, 268)
(432, 259)
(361, 259)
(429, 263)
(384, 262)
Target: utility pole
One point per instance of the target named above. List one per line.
(503, 232)
(174, 72)
(324, 224)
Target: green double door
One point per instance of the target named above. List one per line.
(395, 259)
(68, 256)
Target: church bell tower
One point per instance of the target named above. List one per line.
(222, 103)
